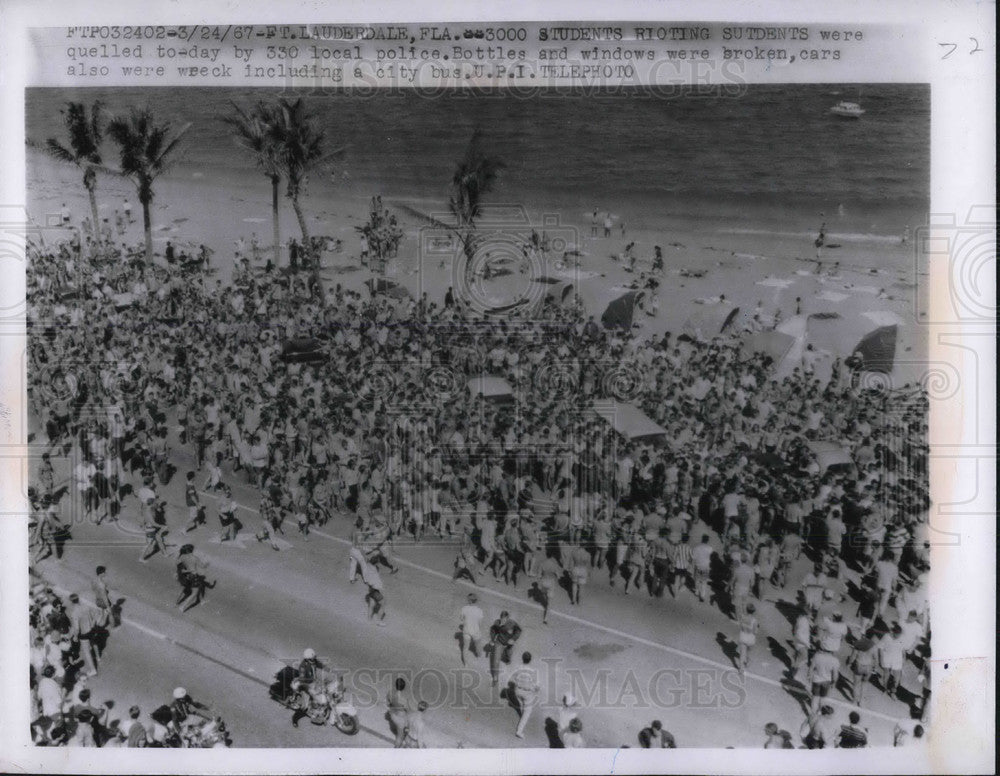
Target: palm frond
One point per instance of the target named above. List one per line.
(59, 151)
(144, 146)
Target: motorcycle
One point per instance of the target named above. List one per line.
(326, 704)
(209, 734)
(195, 734)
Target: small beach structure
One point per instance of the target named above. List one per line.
(620, 312)
(830, 455)
(629, 421)
(389, 288)
(491, 387)
(302, 350)
(710, 321)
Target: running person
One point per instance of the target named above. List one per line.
(526, 688)
(748, 636)
(400, 704)
(196, 513)
(579, 569)
(635, 560)
(701, 558)
(504, 633)
(154, 525)
(465, 560)
(487, 541)
(681, 558)
(227, 515)
(550, 573)
(470, 621)
(359, 537)
(374, 598)
(191, 574)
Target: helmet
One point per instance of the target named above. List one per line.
(309, 654)
(180, 693)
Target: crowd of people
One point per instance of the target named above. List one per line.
(68, 639)
(132, 361)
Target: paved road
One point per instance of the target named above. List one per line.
(629, 660)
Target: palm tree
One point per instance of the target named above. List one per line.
(258, 131)
(85, 136)
(145, 148)
(301, 145)
(474, 176)
(301, 149)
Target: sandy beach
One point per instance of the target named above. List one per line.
(706, 257)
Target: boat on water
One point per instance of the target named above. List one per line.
(847, 110)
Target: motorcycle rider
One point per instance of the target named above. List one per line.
(310, 674)
(184, 709)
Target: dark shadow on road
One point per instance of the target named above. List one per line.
(779, 651)
(729, 647)
(552, 734)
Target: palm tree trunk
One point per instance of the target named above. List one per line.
(468, 237)
(317, 283)
(275, 180)
(92, 192)
(302, 222)
(148, 227)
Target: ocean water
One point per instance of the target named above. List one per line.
(772, 156)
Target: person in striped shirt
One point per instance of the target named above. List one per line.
(680, 565)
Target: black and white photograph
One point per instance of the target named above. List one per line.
(462, 418)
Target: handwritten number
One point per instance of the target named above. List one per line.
(953, 46)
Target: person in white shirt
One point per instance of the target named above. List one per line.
(832, 631)
(50, 694)
(526, 688)
(470, 622)
(913, 632)
(891, 659)
(84, 474)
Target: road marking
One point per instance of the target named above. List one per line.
(524, 603)
(195, 651)
(597, 626)
(126, 620)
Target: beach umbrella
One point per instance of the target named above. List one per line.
(843, 336)
(620, 311)
(878, 349)
(710, 321)
(839, 336)
(566, 294)
(775, 344)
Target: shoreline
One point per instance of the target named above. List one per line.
(748, 261)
